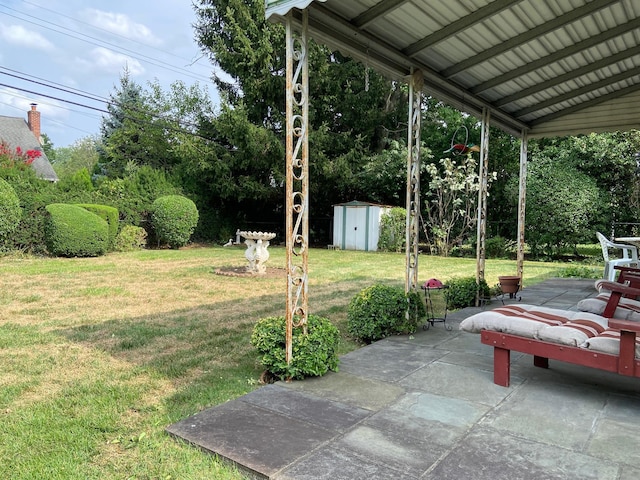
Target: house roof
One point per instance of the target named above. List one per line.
(553, 67)
(15, 131)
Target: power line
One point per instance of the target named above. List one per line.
(101, 43)
(110, 102)
(80, 93)
(54, 98)
(126, 117)
(190, 61)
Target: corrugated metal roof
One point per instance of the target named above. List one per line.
(552, 67)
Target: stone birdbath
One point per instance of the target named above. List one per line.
(257, 253)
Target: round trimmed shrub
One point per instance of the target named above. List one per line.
(72, 231)
(10, 211)
(462, 292)
(380, 310)
(130, 238)
(174, 218)
(314, 354)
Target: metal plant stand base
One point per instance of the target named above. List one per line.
(431, 317)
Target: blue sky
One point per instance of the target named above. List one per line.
(83, 46)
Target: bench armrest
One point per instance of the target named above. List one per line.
(626, 325)
(625, 290)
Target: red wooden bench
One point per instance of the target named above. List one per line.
(624, 362)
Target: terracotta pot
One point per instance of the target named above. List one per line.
(509, 284)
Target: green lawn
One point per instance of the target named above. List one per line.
(99, 355)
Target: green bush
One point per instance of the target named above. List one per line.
(497, 247)
(461, 292)
(380, 310)
(72, 231)
(314, 354)
(10, 211)
(174, 218)
(134, 195)
(108, 214)
(130, 238)
(79, 181)
(393, 230)
(34, 194)
(563, 205)
(575, 271)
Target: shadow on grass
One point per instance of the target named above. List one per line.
(205, 351)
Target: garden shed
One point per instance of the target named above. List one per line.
(356, 225)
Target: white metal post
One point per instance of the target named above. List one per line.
(297, 171)
(522, 201)
(416, 83)
(483, 175)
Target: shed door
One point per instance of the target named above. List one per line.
(356, 233)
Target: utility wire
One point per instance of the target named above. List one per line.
(101, 43)
(126, 117)
(40, 7)
(107, 102)
(55, 98)
(58, 87)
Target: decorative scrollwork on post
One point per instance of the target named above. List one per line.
(413, 180)
(297, 171)
(522, 201)
(483, 176)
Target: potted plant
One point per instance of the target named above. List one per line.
(509, 284)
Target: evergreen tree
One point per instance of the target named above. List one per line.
(121, 130)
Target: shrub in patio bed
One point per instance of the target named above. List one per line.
(461, 292)
(314, 354)
(380, 310)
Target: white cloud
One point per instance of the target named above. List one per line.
(20, 103)
(23, 37)
(108, 61)
(121, 24)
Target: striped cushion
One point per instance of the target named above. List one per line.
(627, 309)
(574, 333)
(608, 342)
(530, 321)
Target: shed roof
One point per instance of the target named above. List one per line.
(551, 67)
(15, 131)
(358, 203)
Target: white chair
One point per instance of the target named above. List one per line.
(629, 256)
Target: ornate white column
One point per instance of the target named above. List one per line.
(416, 83)
(297, 171)
(522, 201)
(483, 175)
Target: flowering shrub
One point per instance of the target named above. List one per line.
(17, 157)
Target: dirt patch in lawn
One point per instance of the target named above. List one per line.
(242, 272)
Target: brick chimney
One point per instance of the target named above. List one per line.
(33, 117)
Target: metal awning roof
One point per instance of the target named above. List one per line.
(551, 67)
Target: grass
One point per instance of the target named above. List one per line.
(99, 355)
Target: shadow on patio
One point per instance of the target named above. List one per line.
(425, 406)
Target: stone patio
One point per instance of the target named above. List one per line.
(425, 407)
